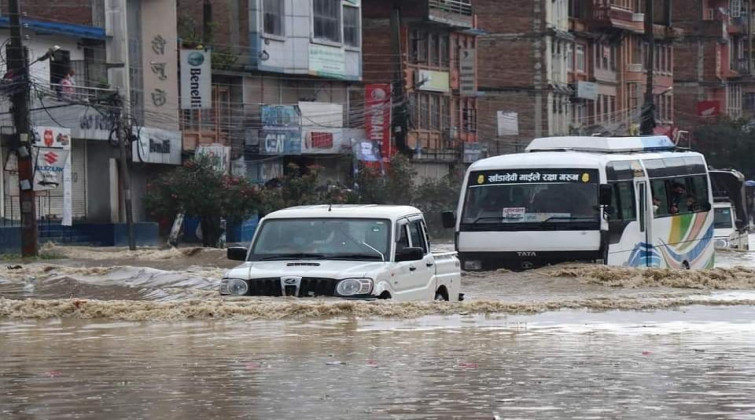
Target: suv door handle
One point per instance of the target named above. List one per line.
(412, 268)
(430, 264)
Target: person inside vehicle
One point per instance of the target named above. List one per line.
(678, 197)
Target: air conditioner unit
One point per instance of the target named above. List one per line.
(638, 17)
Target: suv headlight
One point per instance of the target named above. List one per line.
(236, 287)
(353, 287)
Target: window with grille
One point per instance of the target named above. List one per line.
(273, 17)
(351, 26)
(327, 20)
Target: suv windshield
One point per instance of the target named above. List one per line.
(332, 238)
(544, 198)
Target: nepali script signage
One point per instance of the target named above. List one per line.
(378, 117)
(534, 176)
(196, 79)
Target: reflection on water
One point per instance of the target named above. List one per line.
(693, 364)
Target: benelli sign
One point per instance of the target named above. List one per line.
(196, 79)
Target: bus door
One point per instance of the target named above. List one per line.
(645, 213)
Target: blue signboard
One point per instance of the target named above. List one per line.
(281, 130)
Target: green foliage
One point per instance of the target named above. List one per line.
(727, 144)
(198, 189)
(300, 186)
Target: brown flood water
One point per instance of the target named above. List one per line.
(696, 363)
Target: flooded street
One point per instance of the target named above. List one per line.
(144, 335)
(696, 363)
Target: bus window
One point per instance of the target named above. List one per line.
(623, 201)
(660, 198)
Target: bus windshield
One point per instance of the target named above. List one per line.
(534, 197)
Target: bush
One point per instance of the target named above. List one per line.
(197, 189)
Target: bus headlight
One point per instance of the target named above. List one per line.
(353, 287)
(237, 287)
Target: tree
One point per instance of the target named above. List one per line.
(197, 189)
(301, 186)
(727, 144)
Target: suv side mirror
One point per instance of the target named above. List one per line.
(409, 254)
(606, 194)
(705, 206)
(449, 220)
(236, 253)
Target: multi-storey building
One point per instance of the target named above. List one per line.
(286, 81)
(427, 51)
(713, 71)
(562, 67)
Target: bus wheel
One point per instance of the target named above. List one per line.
(685, 264)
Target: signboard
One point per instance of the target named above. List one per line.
(196, 79)
(467, 72)
(154, 145)
(367, 151)
(508, 123)
(472, 152)
(377, 122)
(281, 130)
(433, 81)
(158, 36)
(534, 176)
(327, 61)
(217, 152)
(708, 109)
(587, 90)
(52, 165)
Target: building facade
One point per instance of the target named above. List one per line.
(427, 51)
(713, 75)
(562, 67)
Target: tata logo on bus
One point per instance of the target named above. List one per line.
(527, 253)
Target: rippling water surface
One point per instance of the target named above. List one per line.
(696, 363)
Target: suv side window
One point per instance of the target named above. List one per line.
(403, 238)
(417, 235)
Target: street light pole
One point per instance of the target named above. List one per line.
(19, 69)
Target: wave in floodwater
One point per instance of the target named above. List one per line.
(716, 278)
(292, 308)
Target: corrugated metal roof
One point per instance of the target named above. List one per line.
(57, 28)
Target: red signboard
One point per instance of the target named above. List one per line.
(708, 109)
(378, 117)
(322, 140)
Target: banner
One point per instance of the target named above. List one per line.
(196, 79)
(52, 165)
(378, 117)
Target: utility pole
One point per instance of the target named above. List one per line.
(19, 68)
(400, 117)
(123, 133)
(749, 37)
(647, 116)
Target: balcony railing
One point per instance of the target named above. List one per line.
(451, 12)
(458, 7)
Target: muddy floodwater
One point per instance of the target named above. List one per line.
(696, 363)
(107, 333)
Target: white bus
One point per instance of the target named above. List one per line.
(630, 201)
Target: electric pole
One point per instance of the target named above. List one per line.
(18, 67)
(125, 173)
(647, 116)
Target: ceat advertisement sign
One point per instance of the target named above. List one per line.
(378, 117)
(196, 79)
